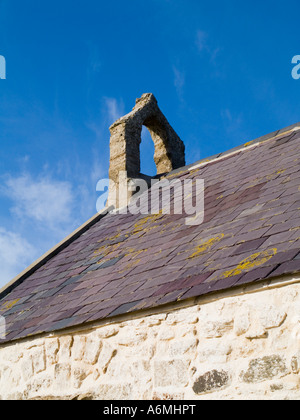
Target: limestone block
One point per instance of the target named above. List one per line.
(171, 373)
(107, 353)
(62, 375)
(272, 317)
(166, 334)
(186, 316)
(264, 369)
(26, 367)
(180, 347)
(167, 396)
(92, 350)
(79, 375)
(295, 363)
(38, 359)
(130, 337)
(39, 384)
(241, 323)
(51, 348)
(256, 332)
(65, 345)
(13, 356)
(130, 368)
(154, 320)
(214, 351)
(10, 379)
(108, 332)
(216, 329)
(78, 347)
(114, 392)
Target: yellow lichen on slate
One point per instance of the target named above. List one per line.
(255, 260)
(9, 305)
(205, 246)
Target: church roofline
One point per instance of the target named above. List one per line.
(93, 220)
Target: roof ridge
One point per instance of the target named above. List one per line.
(246, 146)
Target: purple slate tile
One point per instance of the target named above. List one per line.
(257, 274)
(250, 245)
(291, 267)
(172, 297)
(200, 290)
(278, 238)
(197, 279)
(102, 313)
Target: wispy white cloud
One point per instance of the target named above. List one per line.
(234, 125)
(201, 40)
(46, 201)
(111, 110)
(16, 253)
(179, 81)
(204, 45)
(114, 109)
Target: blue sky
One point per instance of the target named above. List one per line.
(221, 71)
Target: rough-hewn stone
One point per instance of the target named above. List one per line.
(211, 381)
(125, 147)
(264, 369)
(170, 373)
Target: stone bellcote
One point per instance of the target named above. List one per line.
(125, 143)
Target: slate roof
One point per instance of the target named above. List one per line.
(124, 263)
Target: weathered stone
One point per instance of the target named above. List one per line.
(10, 378)
(179, 348)
(78, 347)
(131, 338)
(51, 348)
(170, 373)
(295, 363)
(186, 316)
(26, 368)
(62, 375)
(108, 332)
(114, 392)
(38, 359)
(217, 329)
(272, 317)
(13, 356)
(276, 387)
(154, 320)
(166, 396)
(107, 353)
(125, 147)
(167, 334)
(65, 345)
(264, 369)
(39, 384)
(256, 332)
(211, 381)
(79, 375)
(215, 351)
(92, 350)
(241, 323)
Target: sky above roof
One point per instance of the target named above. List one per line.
(221, 72)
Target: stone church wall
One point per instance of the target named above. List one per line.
(242, 346)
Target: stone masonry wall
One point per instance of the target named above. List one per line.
(239, 347)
